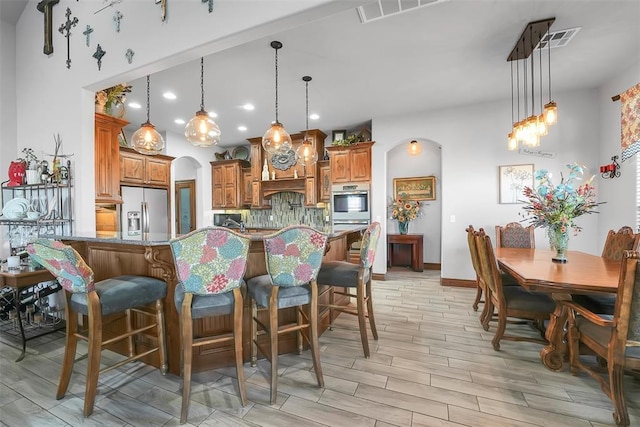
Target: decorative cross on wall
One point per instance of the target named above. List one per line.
(129, 55)
(98, 54)
(210, 4)
(46, 6)
(163, 9)
(87, 34)
(116, 19)
(67, 27)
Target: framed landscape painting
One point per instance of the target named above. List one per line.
(513, 179)
(418, 188)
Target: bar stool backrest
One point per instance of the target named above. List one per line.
(65, 263)
(369, 245)
(294, 254)
(210, 260)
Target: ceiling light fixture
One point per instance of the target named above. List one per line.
(306, 154)
(169, 95)
(414, 148)
(529, 130)
(551, 108)
(147, 140)
(276, 138)
(201, 130)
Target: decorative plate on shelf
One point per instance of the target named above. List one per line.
(240, 153)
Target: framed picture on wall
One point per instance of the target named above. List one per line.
(513, 179)
(338, 135)
(417, 188)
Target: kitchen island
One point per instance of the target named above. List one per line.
(114, 256)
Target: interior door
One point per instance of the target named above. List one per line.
(185, 206)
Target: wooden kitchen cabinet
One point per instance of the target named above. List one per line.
(324, 181)
(246, 186)
(350, 163)
(148, 171)
(107, 158)
(227, 180)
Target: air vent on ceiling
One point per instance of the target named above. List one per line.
(558, 38)
(384, 8)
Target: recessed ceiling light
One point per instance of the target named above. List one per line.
(314, 116)
(213, 114)
(169, 95)
(135, 105)
(242, 128)
(248, 107)
(179, 121)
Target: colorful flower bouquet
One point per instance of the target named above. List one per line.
(404, 211)
(557, 207)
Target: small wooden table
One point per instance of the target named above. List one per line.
(414, 240)
(19, 280)
(582, 274)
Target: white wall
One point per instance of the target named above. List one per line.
(618, 192)
(53, 99)
(402, 165)
(473, 140)
(8, 130)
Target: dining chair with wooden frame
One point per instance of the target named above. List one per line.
(510, 301)
(514, 235)
(614, 246)
(615, 339)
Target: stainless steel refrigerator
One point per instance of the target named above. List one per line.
(143, 211)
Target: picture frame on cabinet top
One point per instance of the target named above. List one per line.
(338, 135)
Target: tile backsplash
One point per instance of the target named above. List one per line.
(286, 209)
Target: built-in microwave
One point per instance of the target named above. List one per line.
(350, 204)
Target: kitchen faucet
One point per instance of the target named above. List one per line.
(231, 222)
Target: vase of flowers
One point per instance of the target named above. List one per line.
(111, 100)
(404, 211)
(556, 207)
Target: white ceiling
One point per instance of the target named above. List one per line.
(446, 54)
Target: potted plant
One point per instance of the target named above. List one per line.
(111, 100)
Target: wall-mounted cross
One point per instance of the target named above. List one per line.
(116, 19)
(98, 54)
(67, 27)
(210, 4)
(46, 6)
(87, 34)
(129, 54)
(163, 9)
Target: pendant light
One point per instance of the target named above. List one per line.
(276, 138)
(306, 154)
(201, 130)
(550, 112)
(147, 140)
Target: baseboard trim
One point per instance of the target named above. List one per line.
(378, 276)
(431, 266)
(458, 283)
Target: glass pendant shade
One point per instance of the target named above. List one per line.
(147, 140)
(414, 148)
(543, 129)
(306, 153)
(202, 131)
(512, 142)
(276, 139)
(550, 113)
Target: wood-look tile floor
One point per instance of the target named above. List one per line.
(433, 365)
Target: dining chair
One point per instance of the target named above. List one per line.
(510, 301)
(343, 277)
(615, 338)
(293, 257)
(210, 264)
(614, 246)
(96, 300)
(514, 235)
(481, 287)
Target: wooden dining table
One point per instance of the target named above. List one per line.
(582, 274)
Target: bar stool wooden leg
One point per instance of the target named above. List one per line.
(372, 319)
(70, 348)
(313, 325)
(162, 347)
(95, 350)
(237, 343)
(254, 333)
(187, 355)
(362, 325)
